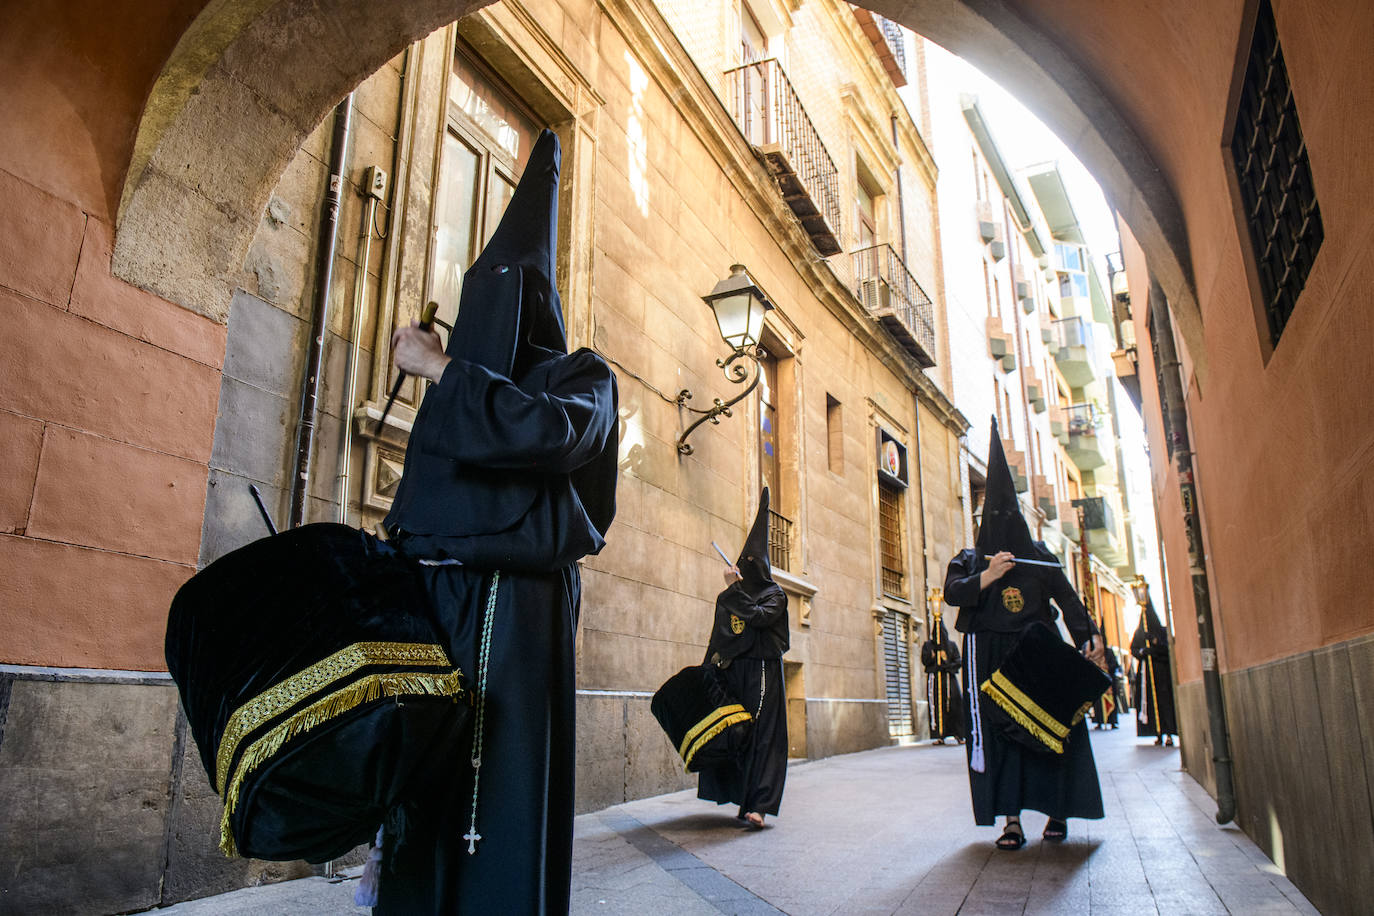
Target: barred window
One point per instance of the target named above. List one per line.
(890, 540)
(1277, 194)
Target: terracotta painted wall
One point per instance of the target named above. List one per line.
(107, 393)
(1284, 454)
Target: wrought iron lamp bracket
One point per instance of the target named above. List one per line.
(736, 373)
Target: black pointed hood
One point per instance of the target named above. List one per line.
(1150, 623)
(753, 559)
(1002, 526)
(507, 334)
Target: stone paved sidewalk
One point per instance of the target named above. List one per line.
(890, 831)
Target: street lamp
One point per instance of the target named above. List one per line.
(1141, 589)
(739, 305)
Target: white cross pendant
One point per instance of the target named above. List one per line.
(472, 837)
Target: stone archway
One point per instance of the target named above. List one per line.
(242, 90)
(247, 83)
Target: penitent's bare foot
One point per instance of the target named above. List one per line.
(755, 820)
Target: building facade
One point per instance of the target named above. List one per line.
(1029, 330)
(695, 137)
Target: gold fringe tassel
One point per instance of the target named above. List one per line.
(323, 710)
(706, 736)
(706, 723)
(281, 696)
(1022, 719)
(1030, 706)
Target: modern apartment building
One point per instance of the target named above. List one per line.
(1031, 339)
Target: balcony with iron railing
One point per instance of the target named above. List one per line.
(770, 115)
(1076, 356)
(779, 540)
(888, 44)
(891, 294)
(1100, 520)
(1086, 447)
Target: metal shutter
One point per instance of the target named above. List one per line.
(897, 667)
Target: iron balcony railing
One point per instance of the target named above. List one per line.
(892, 34)
(890, 293)
(1074, 332)
(1098, 513)
(1083, 419)
(772, 119)
(779, 540)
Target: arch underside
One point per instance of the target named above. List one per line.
(247, 83)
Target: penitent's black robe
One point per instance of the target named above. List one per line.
(1107, 708)
(941, 660)
(509, 480)
(1005, 778)
(1154, 683)
(748, 638)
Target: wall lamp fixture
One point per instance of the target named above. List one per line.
(1140, 589)
(739, 305)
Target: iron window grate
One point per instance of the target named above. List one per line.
(1275, 177)
(890, 541)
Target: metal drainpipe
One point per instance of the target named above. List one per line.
(1176, 417)
(319, 319)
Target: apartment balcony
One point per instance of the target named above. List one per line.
(1075, 356)
(891, 294)
(771, 117)
(987, 225)
(1016, 463)
(1059, 424)
(1035, 391)
(1021, 277)
(1048, 336)
(1068, 521)
(886, 37)
(1100, 519)
(1000, 344)
(1044, 497)
(998, 246)
(1086, 448)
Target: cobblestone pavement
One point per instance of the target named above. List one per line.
(891, 831)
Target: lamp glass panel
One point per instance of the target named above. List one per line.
(732, 317)
(756, 311)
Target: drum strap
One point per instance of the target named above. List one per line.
(484, 656)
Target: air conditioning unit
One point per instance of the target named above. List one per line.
(875, 294)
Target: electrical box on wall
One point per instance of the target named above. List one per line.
(374, 182)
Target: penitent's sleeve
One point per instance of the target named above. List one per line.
(961, 580)
(1081, 625)
(480, 418)
(768, 609)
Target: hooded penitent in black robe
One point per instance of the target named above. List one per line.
(748, 638)
(940, 657)
(1107, 707)
(1004, 776)
(1154, 682)
(509, 479)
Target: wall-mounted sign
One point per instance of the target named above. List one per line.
(891, 459)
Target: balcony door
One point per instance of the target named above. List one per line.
(486, 142)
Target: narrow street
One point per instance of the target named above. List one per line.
(889, 831)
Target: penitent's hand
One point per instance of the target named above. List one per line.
(998, 564)
(732, 575)
(419, 352)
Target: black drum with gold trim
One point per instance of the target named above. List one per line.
(1042, 690)
(706, 725)
(316, 688)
